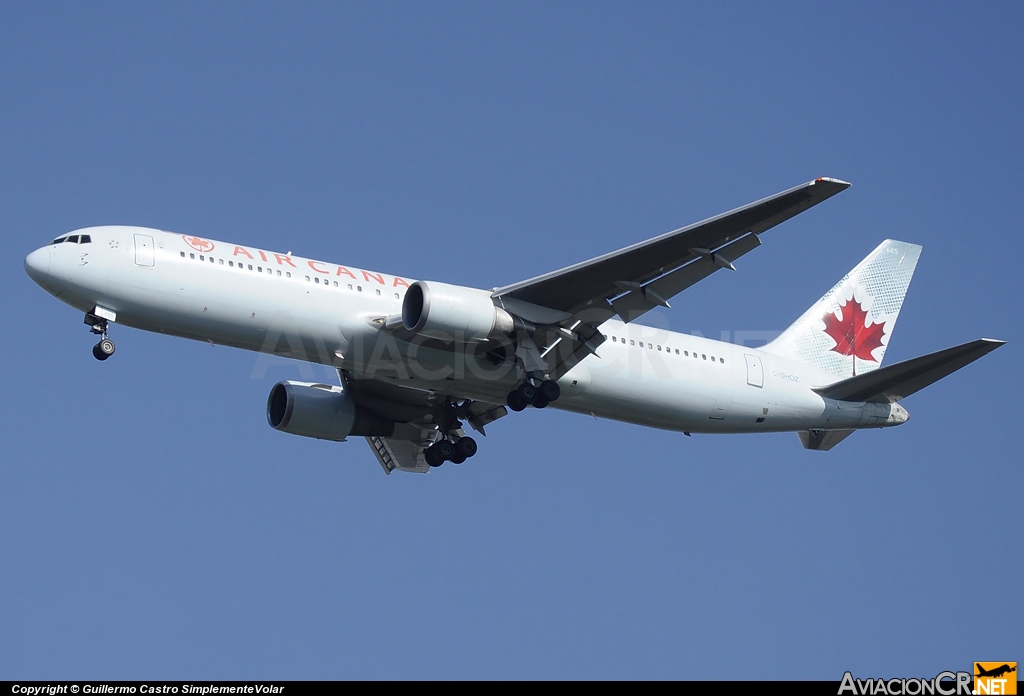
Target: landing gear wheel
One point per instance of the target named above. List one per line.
(432, 456)
(445, 449)
(458, 457)
(515, 401)
(550, 390)
(540, 402)
(528, 392)
(466, 447)
(103, 350)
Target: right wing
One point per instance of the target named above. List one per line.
(419, 417)
(404, 450)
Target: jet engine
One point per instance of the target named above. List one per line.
(452, 312)
(322, 411)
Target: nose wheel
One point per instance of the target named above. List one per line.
(98, 325)
(103, 350)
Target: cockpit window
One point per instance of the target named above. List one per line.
(58, 240)
(85, 239)
(73, 239)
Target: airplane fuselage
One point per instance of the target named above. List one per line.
(326, 313)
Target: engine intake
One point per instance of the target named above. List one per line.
(453, 312)
(322, 411)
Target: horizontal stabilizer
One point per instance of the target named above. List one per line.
(895, 382)
(822, 440)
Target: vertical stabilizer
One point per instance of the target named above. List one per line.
(846, 332)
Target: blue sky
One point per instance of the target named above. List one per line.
(153, 526)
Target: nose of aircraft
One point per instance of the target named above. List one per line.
(37, 264)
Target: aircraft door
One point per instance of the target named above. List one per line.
(143, 250)
(755, 373)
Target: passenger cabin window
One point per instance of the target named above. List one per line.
(191, 256)
(182, 254)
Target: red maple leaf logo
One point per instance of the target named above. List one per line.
(198, 243)
(852, 334)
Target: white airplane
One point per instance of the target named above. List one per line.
(417, 359)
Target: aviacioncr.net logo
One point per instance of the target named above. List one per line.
(943, 684)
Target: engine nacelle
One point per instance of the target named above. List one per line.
(453, 312)
(322, 411)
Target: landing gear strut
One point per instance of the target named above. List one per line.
(526, 394)
(98, 325)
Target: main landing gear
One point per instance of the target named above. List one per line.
(453, 445)
(98, 325)
(447, 450)
(538, 396)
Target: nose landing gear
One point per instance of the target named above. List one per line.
(98, 325)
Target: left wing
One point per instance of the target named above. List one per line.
(569, 304)
(649, 269)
